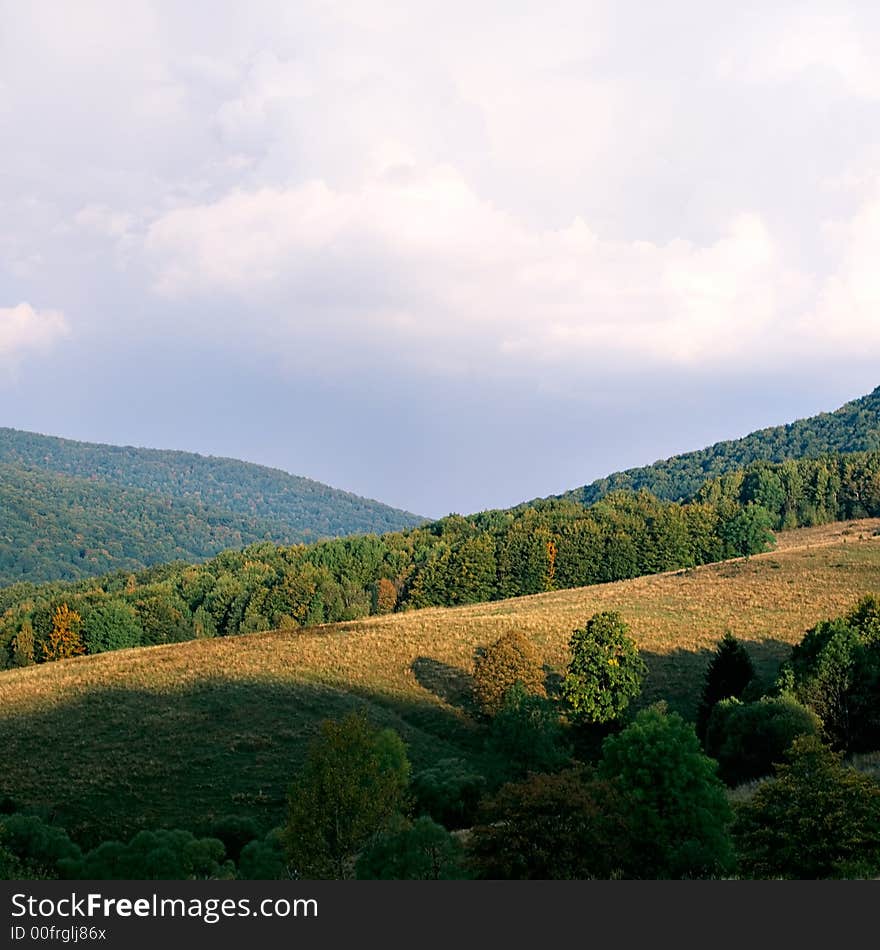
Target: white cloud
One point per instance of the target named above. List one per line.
(453, 269)
(24, 329)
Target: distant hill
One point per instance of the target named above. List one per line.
(74, 509)
(854, 427)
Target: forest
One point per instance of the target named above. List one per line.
(854, 427)
(457, 560)
(75, 509)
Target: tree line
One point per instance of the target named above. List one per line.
(457, 560)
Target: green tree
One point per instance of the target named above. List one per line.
(748, 739)
(605, 671)
(672, 795)
(748, 531)
(23, 645)
(818, 818)
(526, 735)
(264, 859)
(163, 855)
(38, 847)
(353, 783)
(509, 660)
(566, 826)
(112, 625)
(729, 673)
(413, 851)
(449, 791)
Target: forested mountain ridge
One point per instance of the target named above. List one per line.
(228, 501)
(855, 427)
(57, 527)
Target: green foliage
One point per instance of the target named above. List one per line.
(748, 739)
(413, 851)
(449, 791)
(235, 831)
(526, 735)
(835, 670)
(854, 427)
(748, 531)
(511, 659)
(38, 848)
(816, 819)
(163, 855)
(105, 507)
(264, 859)
(112, 625)
(23, 645)
(729, 673)
(353, 783)
(671, 795)
(605, 671)
(567, 826)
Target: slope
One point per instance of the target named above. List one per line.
(240, 498)
(855, 427)
(182, 733)
(55, 527)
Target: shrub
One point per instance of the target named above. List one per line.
(37, 846)
(605, 671)
(111, 626)
(510, 659)
(264, 859)
(748, 739)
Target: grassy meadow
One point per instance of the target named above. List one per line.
(178, 735)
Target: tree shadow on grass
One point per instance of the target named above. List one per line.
(109, 762)
(449, 683)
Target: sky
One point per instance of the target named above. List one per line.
(451, 256)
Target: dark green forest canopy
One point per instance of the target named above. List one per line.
(74, 509)
(854, 427)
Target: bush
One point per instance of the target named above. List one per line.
(510, 659)
(449, 792)
(729, 673)
(235, 831)
(605, 671)
(816, 819)
(413, 851)
(671, 795)
(748, 739)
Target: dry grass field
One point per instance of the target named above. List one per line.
(178, 735)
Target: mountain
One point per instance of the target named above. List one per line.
(75, 509)
(855, 427)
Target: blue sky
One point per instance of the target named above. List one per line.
(451, 256)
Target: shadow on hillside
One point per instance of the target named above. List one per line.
(677, 676)
(110, 762)
(449, 683)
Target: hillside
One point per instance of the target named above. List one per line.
(58, 527)
(855, 427)
(115, 497)
(180, 733)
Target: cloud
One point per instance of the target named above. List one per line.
(452, 269)
(24, 329)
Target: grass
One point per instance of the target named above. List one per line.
(179, 735)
